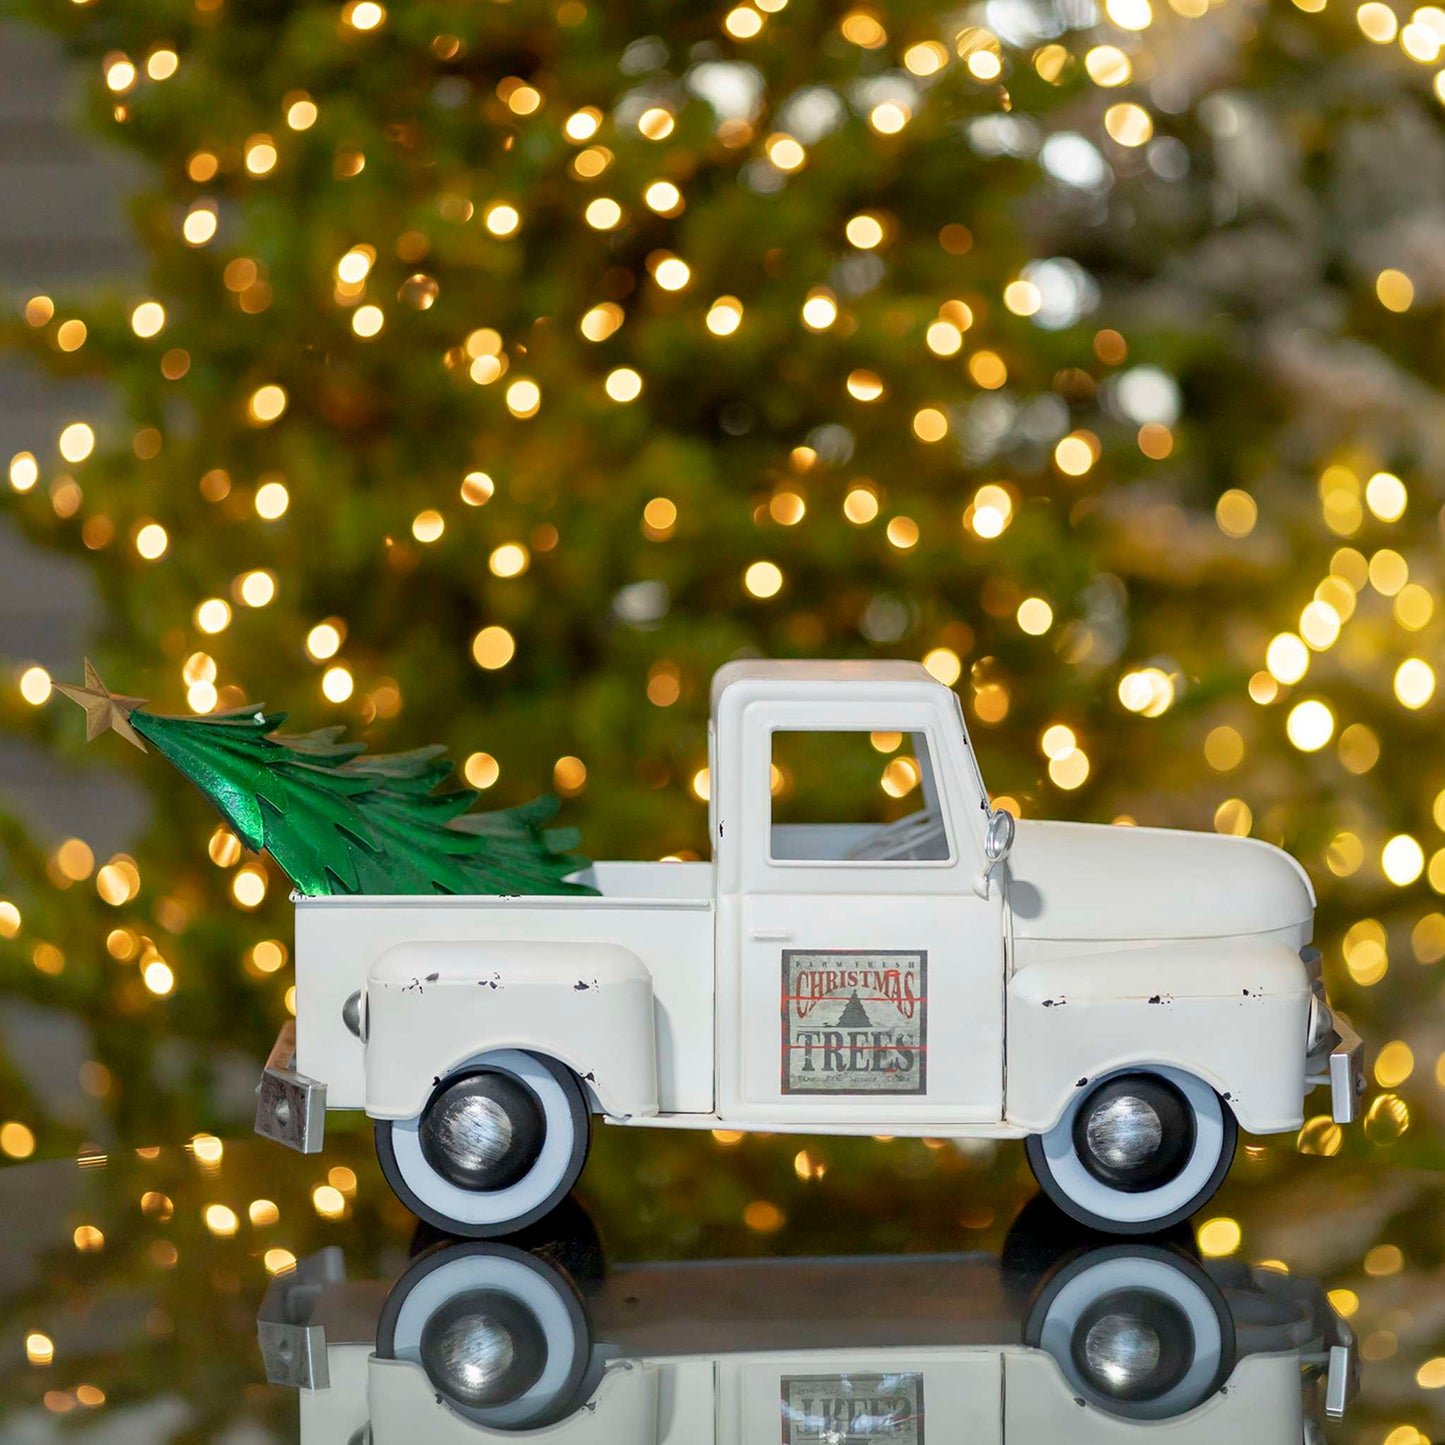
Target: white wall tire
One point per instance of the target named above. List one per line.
(467, 1282)
(481, 1213)
(1139, 1331)
(1073, 1181)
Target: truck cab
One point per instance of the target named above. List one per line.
(1123, 999)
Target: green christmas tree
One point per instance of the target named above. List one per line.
(338, 822)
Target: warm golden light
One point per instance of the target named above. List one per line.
(367, 321)
(582, 125)
(1219, 1237)
(272, 500)
(944, 664)
(301, 113)
(159, 978)
(511, 559)
(248, 887)
(1414, 682)
(724, 316)
(502, 220)
(481, 770)
(77, 441)
(17, 1141)
(477, 489)
(623, 384)
(671, 273)
(601, 321)
(257, 589)
(151, 541)
(664, 198)
(1310, 725)
(1035, 616)
(35, 688)
(24, 471)
(1108, 66)
(603, 213)
(524, 398)
(656, 123)
(267, 404)
(763, 579)
(820, 310)
(864, 231)
(221, 1220)
(493, 648)
(930, 424)
(743, 23)
(260, 155)
(148, 319)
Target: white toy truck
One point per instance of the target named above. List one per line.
(1123, 999)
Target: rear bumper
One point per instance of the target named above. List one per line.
(290, 1108)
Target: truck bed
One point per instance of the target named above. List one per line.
(662, 912)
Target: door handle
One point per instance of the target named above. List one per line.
(771, 935)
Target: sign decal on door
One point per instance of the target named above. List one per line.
(858, 1409)
(855, 1022)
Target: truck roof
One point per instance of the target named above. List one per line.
(765, 669)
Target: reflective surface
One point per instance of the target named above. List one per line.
(235, 1290)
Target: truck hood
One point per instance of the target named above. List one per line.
(1102, 882)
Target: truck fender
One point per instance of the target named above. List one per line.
(432, 1006)
(1231, 1011)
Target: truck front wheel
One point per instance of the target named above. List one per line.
(1139, 1151)
(498, 1146)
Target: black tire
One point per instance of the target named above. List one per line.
(581, 1130)
(566, 1330)
(1167, 1298)
(1179, 1208)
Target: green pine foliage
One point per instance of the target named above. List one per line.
(339, 822)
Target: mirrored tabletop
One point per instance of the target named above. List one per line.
(893, 1291)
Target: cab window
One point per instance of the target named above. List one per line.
(849, 796)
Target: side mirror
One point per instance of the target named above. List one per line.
(998, 841)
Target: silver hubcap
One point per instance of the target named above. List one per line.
(471, 1354)
(1124, 1133)
(1121, 1352)
(483, 1348)
(476, 1133)
(483, 1131)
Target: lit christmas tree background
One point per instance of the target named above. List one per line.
(504, 369)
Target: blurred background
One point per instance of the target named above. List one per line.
(489, 375)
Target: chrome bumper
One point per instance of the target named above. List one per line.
(293, 1349)
(1340, 1063)
(1342, 1378)
(290, 1108)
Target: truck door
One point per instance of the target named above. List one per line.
(871, 971)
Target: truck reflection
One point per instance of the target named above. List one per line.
(486, 1338)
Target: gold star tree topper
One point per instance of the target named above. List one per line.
(103, 708)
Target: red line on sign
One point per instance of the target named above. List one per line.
(862, 998)
(864, 1048)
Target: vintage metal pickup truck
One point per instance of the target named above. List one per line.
(1123, 999)
(1126, 1342)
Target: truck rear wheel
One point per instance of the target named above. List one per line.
(499, 1144)
(1139, 1151)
